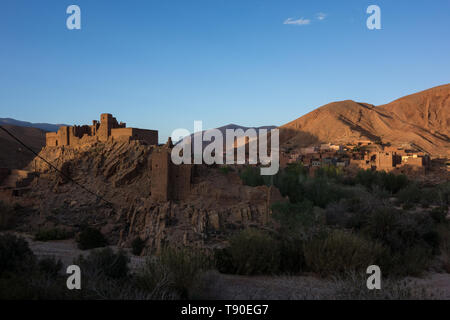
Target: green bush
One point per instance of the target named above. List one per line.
(352, 213)
(137, 246)
(50, 266)
(388, 181)
(154, 278)
(7, 216)
(401, 230)
(410, 262)
(439, 214)
(298, 220)
(341, 252)
(173, 272)
(442, 194)
(23, 277)
(52, 234)
(225, 169)
(251, 176)
(411, 239)
(444, 235)
(252, 252)
(321, 191)
(183, 265)
(290, 182)
(224, 261)
(338, 213)
(410, 195)
(15, 255)
(330, 172)
(105, 263)
(297, 223)
(91, 238)
(292, 257)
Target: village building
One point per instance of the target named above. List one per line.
(363, 155)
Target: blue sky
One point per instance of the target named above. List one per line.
(163, 64)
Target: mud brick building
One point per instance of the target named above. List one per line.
(169, 181)
(107, 129)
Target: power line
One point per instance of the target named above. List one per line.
(51, 165)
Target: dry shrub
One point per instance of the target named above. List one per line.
(341, 252)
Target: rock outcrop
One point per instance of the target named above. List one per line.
(216, 205)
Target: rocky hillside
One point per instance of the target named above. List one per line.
(421, 120)
(121, 174)
(15, 156)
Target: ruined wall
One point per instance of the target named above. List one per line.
(169, 181)
(160, 175)
(76, 134)
(150, 136)
(63, 136)
(122, 133)
(180, 178)
(104, 129)
(51, 139)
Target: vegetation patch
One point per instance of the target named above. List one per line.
(91, 238)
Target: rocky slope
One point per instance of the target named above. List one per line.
(121, 174)
(421, 120)
(15, 156)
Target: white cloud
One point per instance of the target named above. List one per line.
(321, 16)
(298, 22)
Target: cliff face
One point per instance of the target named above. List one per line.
(194, 223)
(217, 205)
(421, 120)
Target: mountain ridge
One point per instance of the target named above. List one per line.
(43, 126)
(421, 120)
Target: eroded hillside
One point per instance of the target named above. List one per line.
(421, 120)
(120, 173)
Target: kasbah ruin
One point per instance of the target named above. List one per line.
(169, 182)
